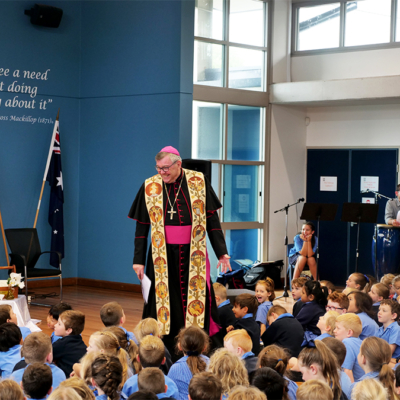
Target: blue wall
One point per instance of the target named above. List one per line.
(123, 81)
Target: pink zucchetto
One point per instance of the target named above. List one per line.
(170, 149)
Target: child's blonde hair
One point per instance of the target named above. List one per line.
(396, 279)
(240, 338)
(329, 285)
(220, 290)
(79, 386)
(151, 351)
(108, 342)
(351, 321)
(147, 326)
(229, 368)
(324, 358)
(369, 389)
(387, 279)
(269, 286)
(299, 282)
(314, 390)
(330, 320)
(246, 393)
(378, 354)
(348, 290)
(10, 389)
(61, 393)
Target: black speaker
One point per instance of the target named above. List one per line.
(203, 166)
(43, 15)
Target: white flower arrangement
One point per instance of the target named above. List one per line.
(14, 280)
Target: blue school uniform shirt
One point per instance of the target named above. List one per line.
(180, 373)
(24, 331)
(392, 335)
(292, 389)
(105, 397)
(298, 245)
(369, 326)
(54, 338)
(224, 303)
(345, 383)
(131, 386)
(130, 335)
(57, 373)
(262, 312)
(323, 336)
(350, 362)
(370, 375)
(8, 359)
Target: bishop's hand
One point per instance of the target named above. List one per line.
(224, 263)
(139, 269)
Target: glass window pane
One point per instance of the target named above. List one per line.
(245, 133)
(241, 193)
(208, 61)
(246, 22)
(207, 130)
(398, 23)
(246, 69)
(367, 22)
(319, 27)
(243, 244)
(209, 19)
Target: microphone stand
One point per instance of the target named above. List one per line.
(285, 292)
(375, 237)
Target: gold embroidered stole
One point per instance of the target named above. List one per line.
(197, 273)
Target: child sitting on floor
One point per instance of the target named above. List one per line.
(326, 324)
(378, 292)
(387, 280)
(205, 385)
(153, 379)
(297, 289)
(265, 294)
(331, 287)
(348, 329)
(10, 348)
(37, 381)
(7, 315)
(284, 330)
(245, 309)
(112, 314)
(53, 316)
(338, 302)
(359, 281)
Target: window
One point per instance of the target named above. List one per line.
(340, 25)
(229, 115)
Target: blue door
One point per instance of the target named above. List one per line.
(338, 239)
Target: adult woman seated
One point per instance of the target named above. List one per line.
(303, 251)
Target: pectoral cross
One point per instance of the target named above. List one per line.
(172, 212)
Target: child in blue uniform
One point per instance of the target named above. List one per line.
(265, 293)
(326, 324)
(388, 315)
(53, 315)
(7, 315)
(37, 381)
(378, 292)
(10, 348)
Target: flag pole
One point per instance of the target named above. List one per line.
(47, 166)
(4, 240)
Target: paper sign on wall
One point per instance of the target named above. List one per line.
(370, 182)
(368, 200)
(328, 184)
(244, 203)
(243, 181)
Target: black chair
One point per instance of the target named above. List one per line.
(25, 253)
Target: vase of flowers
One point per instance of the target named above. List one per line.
(9, 288)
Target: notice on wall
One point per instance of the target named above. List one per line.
(328, 184)
(244, 203)
(19, 82)
(243, 181)
(370, 182)
(368, 200)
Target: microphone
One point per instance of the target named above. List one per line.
(365, 191)
(300, 200)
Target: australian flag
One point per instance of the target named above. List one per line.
(56, 216)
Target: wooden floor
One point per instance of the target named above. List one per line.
(89, 300)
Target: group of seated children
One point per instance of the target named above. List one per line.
(331, 346)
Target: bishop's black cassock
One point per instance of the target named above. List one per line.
(178, 255)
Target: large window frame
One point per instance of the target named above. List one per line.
(341, 48)
(242, 97)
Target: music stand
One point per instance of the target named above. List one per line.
(359, 212)
(319, 212)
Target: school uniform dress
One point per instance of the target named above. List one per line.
(131, 386)
(297, 307)
(181, 374)
(350, 362)
(392, 335)
(287, 332)
(262, 312)
(67, 351)
(369, 326)
(8, 359)
(292, 388)
(370, 375)
(249, 324)
(57, 374)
